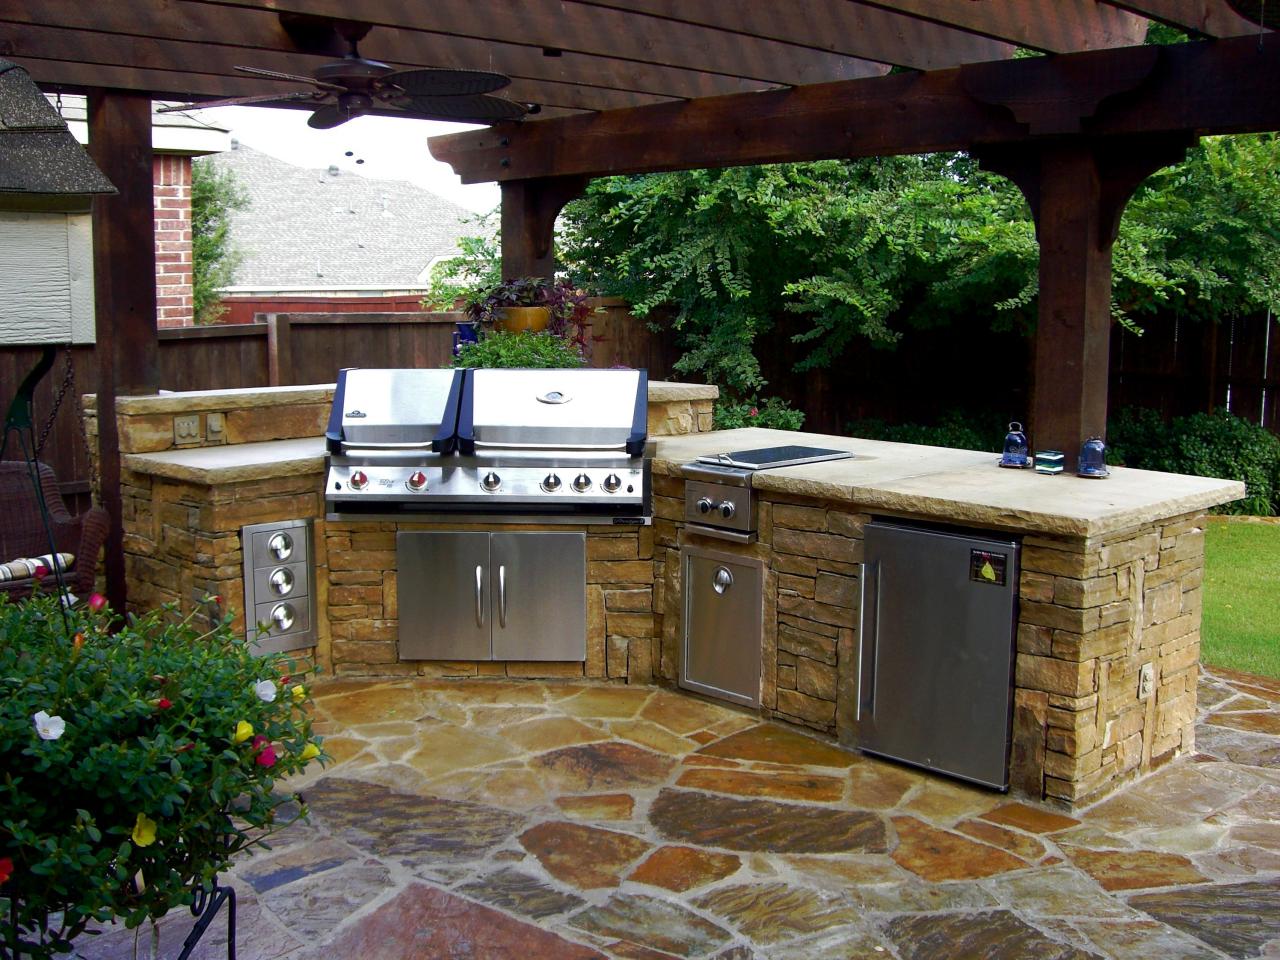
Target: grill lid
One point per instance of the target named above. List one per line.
(560, 408)
(396, 407)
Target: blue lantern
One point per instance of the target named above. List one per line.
(1015, 447)
(1093, 459)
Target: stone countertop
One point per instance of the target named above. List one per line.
(232, 463)
(960, 486)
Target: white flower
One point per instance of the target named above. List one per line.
(49, 728)
(266, 690)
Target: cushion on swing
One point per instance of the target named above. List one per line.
(25, 567)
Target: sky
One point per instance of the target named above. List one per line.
(390, 148)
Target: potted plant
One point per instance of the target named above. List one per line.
(515, 305)
(134, 764)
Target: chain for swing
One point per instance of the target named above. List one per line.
(68, 383)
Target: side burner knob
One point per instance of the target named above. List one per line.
(417, 481)
(611, 483)
(727, 509)
(359, 480)
(582, 483)
(491, 481)
(551, 483)
(705, 505)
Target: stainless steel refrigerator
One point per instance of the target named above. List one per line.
(936, 647)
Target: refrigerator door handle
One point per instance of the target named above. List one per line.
(866, 687)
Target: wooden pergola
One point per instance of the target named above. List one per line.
(629, 86)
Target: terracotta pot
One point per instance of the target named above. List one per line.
(518, 319)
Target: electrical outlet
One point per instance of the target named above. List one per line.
(1146, 680)
(215, 428)
(186, 429)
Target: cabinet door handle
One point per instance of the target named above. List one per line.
(502, 595)
(479, 592)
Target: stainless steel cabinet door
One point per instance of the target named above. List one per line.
(443, 590)
(539, 596)
(723, 613)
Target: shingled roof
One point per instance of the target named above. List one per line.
(332, 230)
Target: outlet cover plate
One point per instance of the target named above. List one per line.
(1146, 680)
(186, 429)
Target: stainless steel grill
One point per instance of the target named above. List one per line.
(564, 446)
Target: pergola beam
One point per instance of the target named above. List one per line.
(1224, 86)
(1209, 18)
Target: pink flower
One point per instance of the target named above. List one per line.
(164, 703)
(267, 757)
(96, 602)
(41, 571)
(755, 411)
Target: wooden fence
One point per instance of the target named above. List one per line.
(1177, 368)
(285, 349)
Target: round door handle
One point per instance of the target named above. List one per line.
(722, 580)
(281, 581)
(282, 616)
(280, 545)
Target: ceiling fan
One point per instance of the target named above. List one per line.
(355, 86)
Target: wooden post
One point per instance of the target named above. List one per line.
(1077, 190)
(124, 281)
(279, 349)
(529, 211)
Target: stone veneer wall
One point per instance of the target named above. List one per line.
(1092, 613)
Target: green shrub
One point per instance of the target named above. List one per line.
(501, 348)
(1205, 445)
(956, 428)
(773, 413)
(132, 766)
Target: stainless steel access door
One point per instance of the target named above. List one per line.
(443, 590)
(538, 596)
(723, 625)
(937, 642)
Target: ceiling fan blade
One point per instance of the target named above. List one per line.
(446, 83)
(480, 109)
(292, 77)
(326, 118)
(239, 101)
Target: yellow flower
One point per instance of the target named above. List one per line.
(144, 831)
(309, 752)
(299, 693)
(244, 730)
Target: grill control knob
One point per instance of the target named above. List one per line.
(359, 480)
(611, 483)
(727, 509)
(417, 481)
(551, 483)
(705, 505)
(491, 481)
(280, 581)
(280, 545)
(582, 483)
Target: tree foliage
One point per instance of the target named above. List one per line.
(214, 195)
(848, 253)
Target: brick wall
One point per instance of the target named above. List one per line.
(172, 179)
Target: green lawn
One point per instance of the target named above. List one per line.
(1242, 597)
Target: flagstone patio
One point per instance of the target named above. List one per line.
(495, 819)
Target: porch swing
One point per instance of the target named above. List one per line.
(41, 542)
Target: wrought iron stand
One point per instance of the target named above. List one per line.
(204, 908)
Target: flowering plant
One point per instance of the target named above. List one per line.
(133, 765)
